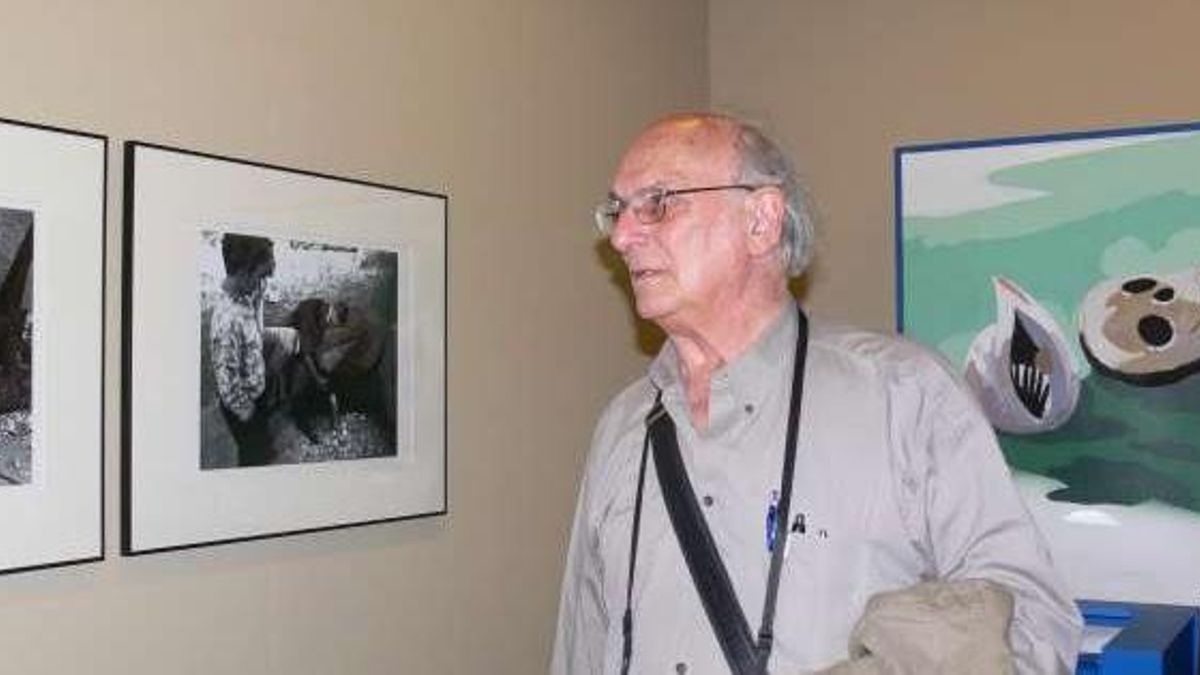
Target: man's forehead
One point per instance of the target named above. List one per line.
(678, 149)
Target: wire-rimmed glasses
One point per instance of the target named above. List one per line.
(649, 206)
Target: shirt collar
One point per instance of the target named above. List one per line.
(750, 376)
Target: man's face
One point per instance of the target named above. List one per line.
(686, 268)
(261, 272)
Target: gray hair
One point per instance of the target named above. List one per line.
(763, 162)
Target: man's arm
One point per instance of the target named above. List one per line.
(974, 524)
(237, 362)
(582, 625)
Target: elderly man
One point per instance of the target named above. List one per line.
(888, 477)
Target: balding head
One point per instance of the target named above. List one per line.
(740, 152)
(704, 248)
(712, 136)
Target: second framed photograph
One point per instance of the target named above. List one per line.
(284, 351)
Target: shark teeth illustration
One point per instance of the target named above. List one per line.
(1019, 367)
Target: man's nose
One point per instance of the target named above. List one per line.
(627, 231)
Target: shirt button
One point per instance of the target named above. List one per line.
(749, 408)
(708, 500)
(681, 668)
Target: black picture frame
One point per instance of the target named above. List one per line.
(52, 252)
(214, 455)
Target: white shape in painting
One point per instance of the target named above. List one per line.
(952, 182)
(1146, 551)
(1019, 367)
(1091, 517)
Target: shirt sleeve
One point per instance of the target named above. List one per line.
(238, 365)
(586, 641)
(974, 524)
(582, 622)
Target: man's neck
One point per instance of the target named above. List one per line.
(702, 351)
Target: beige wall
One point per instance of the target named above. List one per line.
(844, 82)
(517, 109)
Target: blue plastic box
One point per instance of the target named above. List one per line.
(1154, 639)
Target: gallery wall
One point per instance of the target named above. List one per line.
(518, 111)
(843, 83)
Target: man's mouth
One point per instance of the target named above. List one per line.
(643, 275)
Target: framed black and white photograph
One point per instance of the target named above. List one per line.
(284, 351)
(52, 184)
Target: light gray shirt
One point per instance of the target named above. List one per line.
(898, 480)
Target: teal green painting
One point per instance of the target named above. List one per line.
(1061, 277)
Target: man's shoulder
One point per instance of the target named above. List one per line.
(228, 310)
(627, 409)
(898, 363)
(613, 456)
(870, 348)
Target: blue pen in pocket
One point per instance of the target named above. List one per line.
(772, 518)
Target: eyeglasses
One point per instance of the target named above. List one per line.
(649, 206)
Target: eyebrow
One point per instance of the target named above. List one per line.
(645, 189)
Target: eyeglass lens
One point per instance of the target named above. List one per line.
(649, 208)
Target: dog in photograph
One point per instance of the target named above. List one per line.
(345, 362)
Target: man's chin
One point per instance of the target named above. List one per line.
(655, 301)
(651, 309)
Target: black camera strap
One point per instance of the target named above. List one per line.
(744, 654)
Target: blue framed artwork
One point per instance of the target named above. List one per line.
(1060, 276)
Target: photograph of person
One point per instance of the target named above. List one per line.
(298, 351)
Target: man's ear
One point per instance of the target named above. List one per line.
(764, 229)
